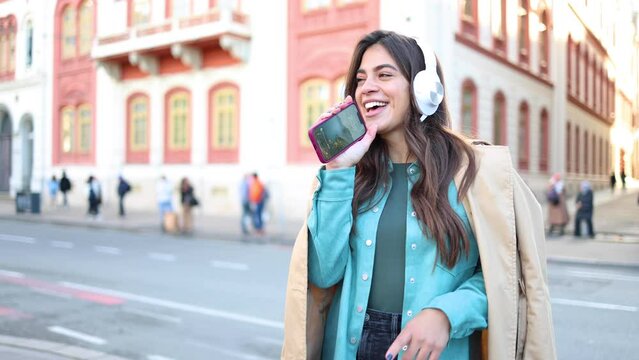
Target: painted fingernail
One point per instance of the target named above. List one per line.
(389, 356)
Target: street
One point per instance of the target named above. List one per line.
(154, 297)
(142, 296)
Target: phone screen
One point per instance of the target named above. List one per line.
(337, 133)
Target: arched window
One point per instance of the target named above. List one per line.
(593, 159)
(544, 43)
(569, 66)
(140, 12)
(544, 141)
(314, 100)
(86, 27)
(469, 109)
(586, 153)
(469, 18)
(569, 166)
(224, 118)
(523, 32)
(28, 59)
(522, 138)
(67, 129)
(499, 119)
(577, 150)
(498, 25)
(178, 120)
(85, 128)
(68, 32)
(138, 123)
(11, 44)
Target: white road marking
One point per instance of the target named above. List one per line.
(602, 276)
(179, 306)
(594, 305)
(153, 315)
(157, 357)
(76, 335)
(62, 244)
(51, 293)
(162, 257)
(229, 265)
(11, 274)
(107, 250)
(17, 238)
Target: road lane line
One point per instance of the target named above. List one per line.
(52, 293)
(229, 265)
(594, 305)
(11, 274)
(107, 250)
(179, 306)
(76, 335)
(153, 315)
(62, 244)
(17, 238)
(602, 276)
(162, 257)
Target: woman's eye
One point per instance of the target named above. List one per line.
(359, 80)
(384, 75)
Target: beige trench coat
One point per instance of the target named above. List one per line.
(508, 224)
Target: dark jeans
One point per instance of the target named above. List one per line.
(380, 330)
(121, 205)
(588, 219)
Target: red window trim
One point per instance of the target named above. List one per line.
(544, 64)
(525, 161)
(586, 153)
(229, 155)
(177, 156)
(544, 153)
(500, 45)
(577, 152)
(499, 96)
(524, 21)
(569, 163)
(469, 27)
(468, 84)
(139, 156)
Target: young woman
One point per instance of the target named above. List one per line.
(387, 264)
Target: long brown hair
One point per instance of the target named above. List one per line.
(440, 154)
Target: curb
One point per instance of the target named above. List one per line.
(58, 349)
(586, 261)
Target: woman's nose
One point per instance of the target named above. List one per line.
(369, 86)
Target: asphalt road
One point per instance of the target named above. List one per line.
(167, 298)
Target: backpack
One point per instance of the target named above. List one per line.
(552, 196)
(256, 191)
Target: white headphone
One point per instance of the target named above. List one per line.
(427, 88)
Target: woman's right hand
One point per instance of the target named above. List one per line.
(353, 154)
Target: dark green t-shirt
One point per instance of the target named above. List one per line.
(387, 287)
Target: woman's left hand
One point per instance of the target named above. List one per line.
(425, 335)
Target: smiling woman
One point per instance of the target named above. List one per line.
(405, 225)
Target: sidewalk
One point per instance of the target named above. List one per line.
(15, 348)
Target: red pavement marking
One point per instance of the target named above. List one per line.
(13, 313)
(78, 294)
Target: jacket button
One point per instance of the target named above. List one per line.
(369, 242)
(412, 280)
(364, 276)
(353, 340)
(413, 246)
(413, 214)
(409, 313)
(360, 309)
(375, 209)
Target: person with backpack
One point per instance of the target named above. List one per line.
(585, 207)
(123, 188)
(65, 187)
(557, 209)
(257, 199)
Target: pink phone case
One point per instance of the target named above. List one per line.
(315, 141)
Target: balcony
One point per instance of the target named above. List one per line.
(183, 38)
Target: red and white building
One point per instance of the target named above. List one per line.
(212, 89)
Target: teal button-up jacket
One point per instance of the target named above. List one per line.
(337, 255)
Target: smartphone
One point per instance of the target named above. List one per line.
(333, 135)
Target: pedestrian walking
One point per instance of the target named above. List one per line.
(188, 201)
(585, 209)
(53, 186)
(94, 196)
(622, 175)
(557, 209)
(258, 194)
(387, 264)
(247, 215)
(65, 187)
(613, 181)
(123, 189)
(164, 193)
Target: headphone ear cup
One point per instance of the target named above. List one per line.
(428, 91)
